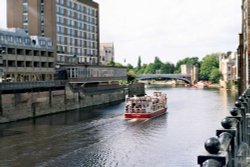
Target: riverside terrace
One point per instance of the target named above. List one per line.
(77, 75)
(230, 147)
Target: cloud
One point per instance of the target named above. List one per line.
(3, 14)
(169, 29)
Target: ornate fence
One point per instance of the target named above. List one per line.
(230, 146)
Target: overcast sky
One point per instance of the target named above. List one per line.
(169, 29)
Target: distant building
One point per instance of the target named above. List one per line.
(73, 26)
(189, 69)
(25, 58)
(229, 68)
(106, 53)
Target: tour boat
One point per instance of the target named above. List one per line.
(145, 106)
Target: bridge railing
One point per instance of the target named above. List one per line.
(230, 146)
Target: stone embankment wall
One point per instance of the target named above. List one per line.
(33, 104)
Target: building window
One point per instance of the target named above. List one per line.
(42, 42)
(27, 41)
(68, 13)
(42, 18)
(2, 38)
(68, 3)
(42, 8)
(25, 8)
(19, 40)
(10, 38)
(25, 18)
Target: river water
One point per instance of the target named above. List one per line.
(100, 137)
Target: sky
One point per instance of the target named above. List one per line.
(168, 29)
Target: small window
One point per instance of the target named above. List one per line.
(27, 41)
(49, 44)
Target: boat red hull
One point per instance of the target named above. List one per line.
(145, 115)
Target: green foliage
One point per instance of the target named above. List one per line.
(118, 65)
(215, 75)
(114, 64)
(131, 75)
(150, 69)
(129, 66)
(208, 63)
(158, 67)
(193, 61)
(111, 63)
(167, 68)
(208, 67)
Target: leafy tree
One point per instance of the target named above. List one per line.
(150, 69)
(118, 65)
(215, 75)
(193, 61)
(111, 63)
(142, 69)
(131, 75)
(208, 63)
(167, 68)
(114, 64)
(157, 63)
(129, 66)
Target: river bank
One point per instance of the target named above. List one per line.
(31, 104)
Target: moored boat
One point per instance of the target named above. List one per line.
(146, 106)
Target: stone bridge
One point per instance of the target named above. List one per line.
(185, 78)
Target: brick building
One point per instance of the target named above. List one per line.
(73, 26)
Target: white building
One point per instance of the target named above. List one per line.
(228, 68)
(189, 69)
(107, 52)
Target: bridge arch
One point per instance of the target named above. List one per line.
(186, 78)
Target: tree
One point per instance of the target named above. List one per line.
(150, 69)
(193, 61)
(139, 63)
(215, 75)
(129, 66)
(157, 63)
(111, 63)
(208, 63)
(167, 68)
(131, 75)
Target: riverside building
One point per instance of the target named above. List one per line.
(243, 49)
(25, 58)
(73, 26)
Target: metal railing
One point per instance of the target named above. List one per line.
(230, 147)
(31, 85)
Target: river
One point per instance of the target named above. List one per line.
(101, 137)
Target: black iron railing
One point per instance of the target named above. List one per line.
(230, 146)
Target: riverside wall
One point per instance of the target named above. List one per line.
(17, 106)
